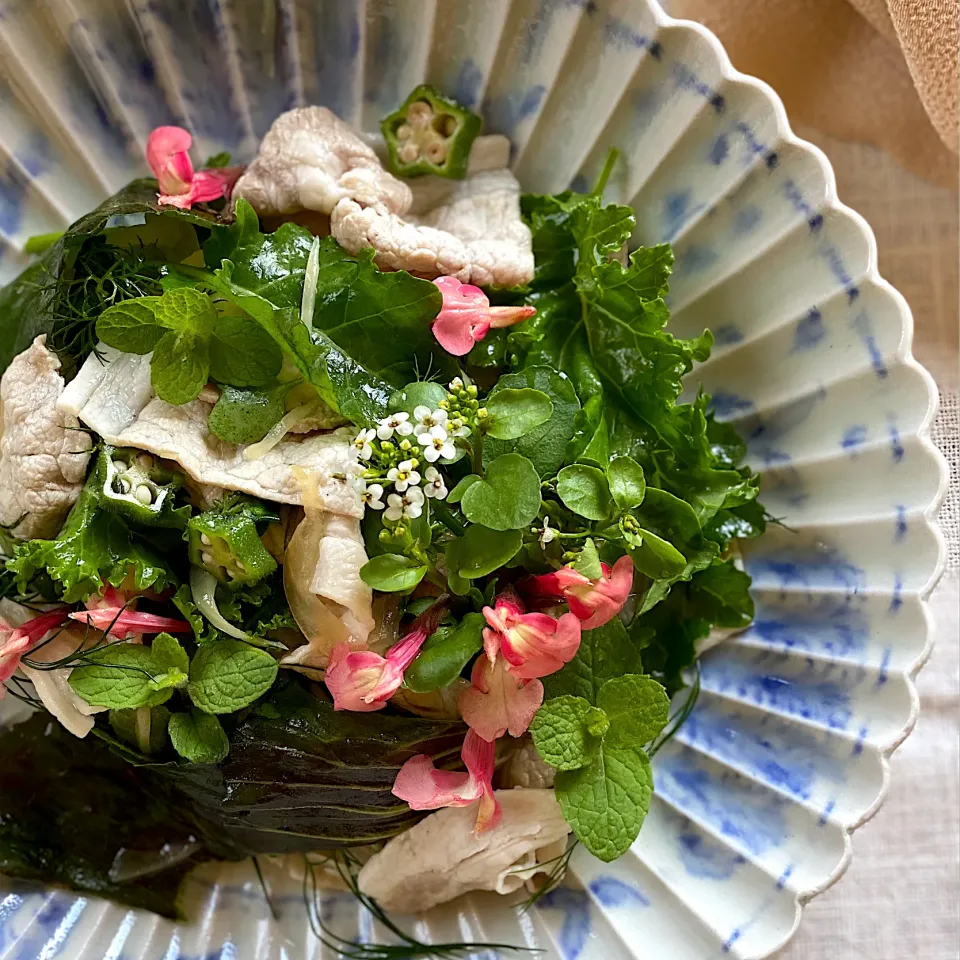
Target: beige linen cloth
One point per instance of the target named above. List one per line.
(877, 71)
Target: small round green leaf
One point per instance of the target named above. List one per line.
(481, 551)
(392, 573)
(456, 494)
(445, 654)
(227, 675)
(508, 496)
(246, 414)
(657, 558)
(627, 483)
(514, 413)
(198, 737)
(424, 393)
(584, 490)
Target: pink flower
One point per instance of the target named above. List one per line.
(466, 316)
(534, 644)
(595, 602)
(426, 788)
(498, 702)
(362, 680)
(122, 623)
(179, 185)
(23, 639)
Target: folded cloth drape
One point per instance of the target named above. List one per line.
(878, 71)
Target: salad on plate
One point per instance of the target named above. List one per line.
(349, 509)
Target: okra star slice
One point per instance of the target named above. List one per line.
(430, 133)
(137, 486)
(228, 545)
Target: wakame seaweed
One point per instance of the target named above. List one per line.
(299, 777)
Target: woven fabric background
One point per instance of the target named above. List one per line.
(901, 896)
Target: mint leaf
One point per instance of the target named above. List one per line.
(185, 310)
(627, 483)
(588, 561)
(604, 653)
(445, 654)
(584, 490)
(180, 367)
(567, 732)
(131, 326)
(227, 675)
(242, 353)
(515, 413)
(637, 707)
(245, 414)
(198, 737)
(606, 801)
(169, 655)
(544, 445)
(122, 675)
(392, 573)
(481, 551)
(507, 497)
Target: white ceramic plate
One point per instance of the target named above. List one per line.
(787, 751)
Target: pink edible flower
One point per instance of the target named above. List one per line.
(123, 623)
(466, 316)
(595, 602)
(23, 639)
(498, 702)
(424, 787)
(363, 681)
(180, 186)
(534, 644)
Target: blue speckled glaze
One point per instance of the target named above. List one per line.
(575, 908)
(769, 681)
(748, 814)
(786, 757)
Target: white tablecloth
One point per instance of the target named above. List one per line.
(900, 897)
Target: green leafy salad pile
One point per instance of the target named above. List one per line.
(550, 530)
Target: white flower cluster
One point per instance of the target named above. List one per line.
(431, 430)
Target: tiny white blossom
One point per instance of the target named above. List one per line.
(410, 504)
(372, 496)
(362, 442)
(436, 445)
(427, 418)
(403, 475)
(398, 423)
(435, 487)
(455, 384)
(457, 428)
(548, 534)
